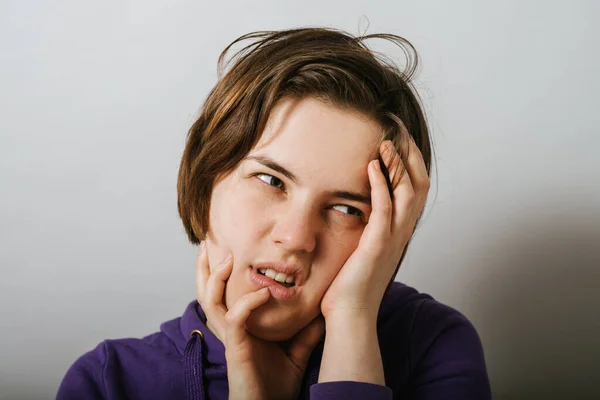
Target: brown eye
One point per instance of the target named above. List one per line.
(349, 210)
(271, 180)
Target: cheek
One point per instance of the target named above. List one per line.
(341, 244)
(334, 252)
(234, 216)
(237, 221)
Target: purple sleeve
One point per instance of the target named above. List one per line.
(349, 390)
(451, 362)
(85, 378)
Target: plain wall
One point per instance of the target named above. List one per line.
(96, 100)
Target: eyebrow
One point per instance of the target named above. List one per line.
(343, 194)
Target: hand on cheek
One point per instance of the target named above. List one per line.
(256, 369)
(359, 287)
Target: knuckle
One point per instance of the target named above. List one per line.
(221, 271)
(409, 197)
(229, 317)
(386, 207)
(226, 260)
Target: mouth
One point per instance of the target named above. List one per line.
(285, 280)
(284, 286)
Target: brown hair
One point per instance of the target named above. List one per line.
(328, 64)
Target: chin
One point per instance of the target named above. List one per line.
(268, 324)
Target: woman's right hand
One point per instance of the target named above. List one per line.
(256, 369)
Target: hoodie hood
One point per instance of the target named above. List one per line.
(194, 319)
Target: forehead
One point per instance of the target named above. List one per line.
(320, 142)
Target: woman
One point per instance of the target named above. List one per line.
(302, 181)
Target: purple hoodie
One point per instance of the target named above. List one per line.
(429, 350)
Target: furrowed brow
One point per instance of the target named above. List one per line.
(353, 196)
(342, 194)
(269, 163)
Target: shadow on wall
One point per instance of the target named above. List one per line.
(539, 308)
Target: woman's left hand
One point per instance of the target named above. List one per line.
(358, 288)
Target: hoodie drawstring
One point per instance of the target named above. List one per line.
(194, 370)
(192, 364)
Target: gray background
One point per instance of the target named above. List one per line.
(96, 99)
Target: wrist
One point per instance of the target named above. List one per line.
(363, 363)
(350, 319)
(242, 391)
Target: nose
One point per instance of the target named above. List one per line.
(295, 228)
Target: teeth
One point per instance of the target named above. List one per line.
(277, 276)
(270, 273)
(280, 277)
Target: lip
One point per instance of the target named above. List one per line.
(277, 291)
(286, 268)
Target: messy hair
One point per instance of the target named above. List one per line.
(330, 65)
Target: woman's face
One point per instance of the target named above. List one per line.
(298, 202)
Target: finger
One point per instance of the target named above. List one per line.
(387, 154)
(411, 193)
(202, 271)
(381, 202)
(417, 169)
(303, 343)
(393, 165)
(213, 305)
(236, 317)
(216, 281)
(403, 193)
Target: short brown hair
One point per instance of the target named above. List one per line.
(328, 64)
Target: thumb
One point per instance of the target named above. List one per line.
(303, 343)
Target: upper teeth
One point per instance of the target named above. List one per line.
(278, 276)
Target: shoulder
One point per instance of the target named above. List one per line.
(85, 377)
(146, 350)
(115, 366)
(428, 345)
(417, 313)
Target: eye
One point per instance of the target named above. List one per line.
(271, 181)
(349, 210)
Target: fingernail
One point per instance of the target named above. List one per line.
(376, 165)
